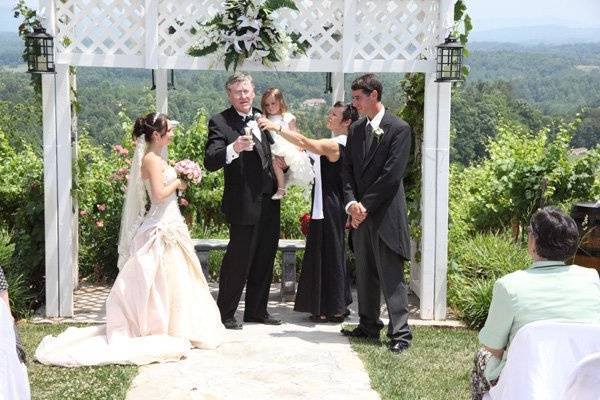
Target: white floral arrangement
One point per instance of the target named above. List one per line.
(247, 31)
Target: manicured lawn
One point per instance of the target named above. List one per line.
(85, 383)
(437, 365)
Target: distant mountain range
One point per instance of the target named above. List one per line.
(532, 35)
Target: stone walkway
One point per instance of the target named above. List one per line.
(296, 360)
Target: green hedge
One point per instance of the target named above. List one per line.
(474, 265)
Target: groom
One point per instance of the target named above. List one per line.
(374, 165)
(252, 216)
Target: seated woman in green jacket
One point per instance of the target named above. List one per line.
(547, 290)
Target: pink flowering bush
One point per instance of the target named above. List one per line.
(100, 185)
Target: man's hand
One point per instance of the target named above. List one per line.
(358, 213)
(243, 143)
(267, 125)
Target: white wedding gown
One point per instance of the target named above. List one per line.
(159, 306)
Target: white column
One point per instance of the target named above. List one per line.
(51, 174)
(428, 199)
(64, 185)
(348, 41)
(337, 83)
(75, 211)
(161, 92)
(434, 200)
(441, 200)
(151, 34)
(50, 194)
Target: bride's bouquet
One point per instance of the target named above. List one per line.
(188, 171)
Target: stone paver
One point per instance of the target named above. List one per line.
(295, 360)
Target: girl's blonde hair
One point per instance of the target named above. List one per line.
(278, 96)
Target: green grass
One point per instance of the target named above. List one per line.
(436, 366)
(85, 383)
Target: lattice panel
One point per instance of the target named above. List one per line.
(380, 29)
(321, 23)
(106, 27)
(396, 30)
(177, 18)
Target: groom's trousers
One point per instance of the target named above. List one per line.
(378, 269)
(249, 260)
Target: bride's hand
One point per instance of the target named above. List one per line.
(181, 185)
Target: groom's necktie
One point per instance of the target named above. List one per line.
(368, 138)
(246, 119)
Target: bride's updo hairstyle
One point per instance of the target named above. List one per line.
(145, 126)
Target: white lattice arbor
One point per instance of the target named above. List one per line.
(346, 36)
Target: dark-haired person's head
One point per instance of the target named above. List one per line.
(367, 84)
(349, 112)
(151, 126)
(366, 95)
(340, 117)
(554, 234)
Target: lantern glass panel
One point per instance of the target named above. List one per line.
(40, 52)
(449, 61)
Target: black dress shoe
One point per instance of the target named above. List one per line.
(268, 320)
(398, 346)
(232, 323)
(359, 332)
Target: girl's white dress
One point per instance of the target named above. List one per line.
(300, 171)
(159, 306)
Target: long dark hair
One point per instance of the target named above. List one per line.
(153, 122)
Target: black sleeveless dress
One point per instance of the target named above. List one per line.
(323, 287)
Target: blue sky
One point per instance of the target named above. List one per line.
(494, 14)
(486, 14)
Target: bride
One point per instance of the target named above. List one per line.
(160, 304)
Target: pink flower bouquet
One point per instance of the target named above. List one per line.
(189, 171)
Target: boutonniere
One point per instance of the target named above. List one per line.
(378, 132)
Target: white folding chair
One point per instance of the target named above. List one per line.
(540, 359)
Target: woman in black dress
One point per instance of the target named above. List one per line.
(323, 287)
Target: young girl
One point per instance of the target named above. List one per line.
(300, 170)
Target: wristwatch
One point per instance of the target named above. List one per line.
(280, 128)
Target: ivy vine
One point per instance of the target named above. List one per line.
(30, 22)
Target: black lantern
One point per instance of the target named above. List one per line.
(40, 52)
(449, 60)
(170, 81)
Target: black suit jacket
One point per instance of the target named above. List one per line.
(375, 179)
(244, 176)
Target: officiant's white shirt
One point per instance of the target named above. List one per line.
(230, 152)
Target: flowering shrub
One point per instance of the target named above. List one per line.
(246, 30)
(22, 215)
(102, 181)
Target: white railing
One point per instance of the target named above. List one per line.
(348, 36)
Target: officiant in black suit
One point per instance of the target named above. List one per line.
(374, 165)
(252, 216)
